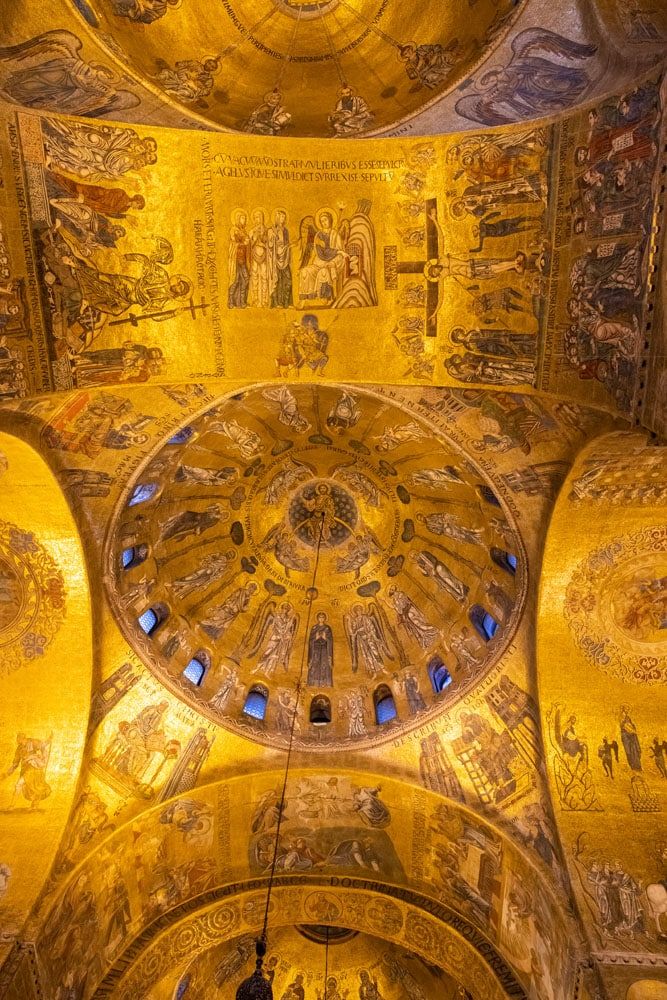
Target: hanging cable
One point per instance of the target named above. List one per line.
(257, 987)
(326, 966)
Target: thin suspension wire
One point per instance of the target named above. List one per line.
(326, 967)
(281, 804)
(332, 47)
(247, 34)
(371, 25)
(290, 50)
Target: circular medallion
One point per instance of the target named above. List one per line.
(322, 512)
(32, 598)
(412, 595)
(616, 606)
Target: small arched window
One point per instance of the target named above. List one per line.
(151, 619)
(134, 555)
(182, 436)
(506, 560)
(320, 710)
(385, 706)
(142, 493)
(196, 669)
(487, 494)
(256, 702)
(484, 622)
(439, 674)
(183, 987)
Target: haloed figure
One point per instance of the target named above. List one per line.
(320, 653)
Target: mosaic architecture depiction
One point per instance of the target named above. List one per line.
(333, 499)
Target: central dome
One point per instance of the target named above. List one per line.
(317, 532)
(331, 68)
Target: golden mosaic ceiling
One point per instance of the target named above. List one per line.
(301, 67)
(354, 960)
(413, 593)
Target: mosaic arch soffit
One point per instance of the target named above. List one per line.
(403, 918)
(244, 807)
(603, 724)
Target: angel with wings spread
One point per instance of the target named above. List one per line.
(366, 637)
(541, 78)
(272, 632)
(337, 265)
(286, 479)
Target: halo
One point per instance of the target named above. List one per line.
(331, 212)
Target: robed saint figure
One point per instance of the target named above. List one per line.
(320, 653)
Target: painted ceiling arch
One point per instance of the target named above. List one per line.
(396, 970)
(45, 619)
(602, 605)
(187, 851)
(447, 953)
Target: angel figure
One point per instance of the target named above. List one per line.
(605, 752)
(230, 683)
(337, 265)
(323, 256)
(212, 567)
(279, 540)
(247, 442)
(344, 414)
(412, 620)
(432, 479)
(357, 554)
(353, 708)
(292, 473)
(288, 408)
(366, 638)
(393, 437)
(358, 482)
(273, 630)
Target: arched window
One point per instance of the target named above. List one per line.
(196, 669)
(385, 706)
(151, 619)
(439, 674)
(320, 710)
(487, 494)
(256, 702)
(133, 556)
(142, 493)
(182, 436)
(484, 623)
(183, 987)
(506, 560)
